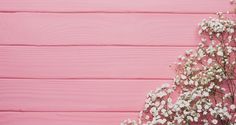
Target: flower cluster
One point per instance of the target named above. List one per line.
(204, 82)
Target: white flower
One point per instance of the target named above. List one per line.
(147, 117)
(153, 111)
(206, 106)
(209, 61)
(200, 74)
(210, 50)
(199, 106)
(163, 102)
(162, 121)
(161, 94)
(214, 121)
(190, 118)
(195, 119)
(232, 107)
(205, 93)
(129, 122)
(165, 85)
(183, 77)
(169, 100)
(169, 90)
(229, 49)
(220, 53)
(201, 53)
(189, 51)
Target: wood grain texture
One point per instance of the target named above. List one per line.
(75, 95)
(88, 62)
(185, 6)
(100, 29)
(62, 118)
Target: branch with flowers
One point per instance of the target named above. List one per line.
(204, 82)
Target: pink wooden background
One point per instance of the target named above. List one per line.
(90, 62)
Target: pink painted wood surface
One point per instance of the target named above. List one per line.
(88, 62)
(64, 118)
(185, 6)
(100, 29)
(75, 95)
(74, 62)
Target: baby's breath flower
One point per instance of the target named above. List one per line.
(203, 83)
(232, 107)
(214, 121)
(209, 61)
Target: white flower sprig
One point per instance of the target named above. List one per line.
(204, 82)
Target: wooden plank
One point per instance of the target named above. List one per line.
(88, 62)
(197, 6)
(74, 95)
(100, 29)
(64, 118)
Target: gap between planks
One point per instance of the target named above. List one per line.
(111, 12)
(86, 78)
(94, 45)
(125, 111)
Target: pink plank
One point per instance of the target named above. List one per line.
(74, 95)
(100, 29)
(200, 6)
(63, 118)
(88, 62)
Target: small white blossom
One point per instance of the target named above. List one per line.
(203, 84)
(205, 93)
(209, 61)
(232, 107)
(214, 121)
(220, 53)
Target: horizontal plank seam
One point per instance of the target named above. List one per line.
(87, 45)
(112, 12)
(88, 78)
(66, 111)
